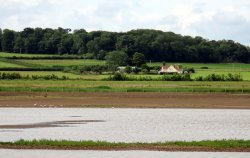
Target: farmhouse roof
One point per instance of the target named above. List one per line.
(165, 67)
(177, 67)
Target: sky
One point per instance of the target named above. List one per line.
(211, 19)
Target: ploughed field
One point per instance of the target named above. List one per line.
(117, 154)
(125, 100)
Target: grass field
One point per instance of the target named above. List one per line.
(64, 63)
(5, 55)
(221, 68)
(44, 73)
(217, 145)
(4, 64)
(122, 86)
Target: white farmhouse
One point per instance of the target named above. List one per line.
(171, 69)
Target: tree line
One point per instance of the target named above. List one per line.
(155, 45)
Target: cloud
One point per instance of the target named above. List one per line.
(212, 19)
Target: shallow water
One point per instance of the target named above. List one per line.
(124, 125)
(115, 154)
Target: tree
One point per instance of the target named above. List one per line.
(128, 69)
(19, 44)
(1, 39)
(8, 39)
(138, 59)
(115, 59)
(154, 45)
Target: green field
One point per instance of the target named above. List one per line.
(123, 86)
(202, 69)
(44, 73)
(212, 66)
(4, 64)
(63, 63)
(220, 68)
(5, 55)
(216, 145)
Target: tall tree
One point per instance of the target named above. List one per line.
(116, 58)
(153, 44)
(1, 34)
(8, 39)
(19, 44)
(138, 59)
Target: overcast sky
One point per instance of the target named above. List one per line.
(211, 19)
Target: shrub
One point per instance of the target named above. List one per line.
(15, 76)
(189, 70)
(94, 68)
(177, 77)
(128, 69)
(235, 77)
(204, 67)
(136, 70)
(10, 76)
(118, 77)
(217, 77)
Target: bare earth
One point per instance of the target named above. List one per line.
(125, 100)
(171, 148)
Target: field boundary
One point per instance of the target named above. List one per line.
(213, 146)
(126, 90)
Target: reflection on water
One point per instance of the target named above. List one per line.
(65, 123)
(124, 125)
(10, 130)
(116, 154)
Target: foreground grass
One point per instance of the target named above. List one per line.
(217, 145)
(122, 86)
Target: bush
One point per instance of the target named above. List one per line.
(10, 76)
(217, 77)
(145, 67)
(156, 68)
(88, 56)
(235, 77)
(15, 76)
(204, 67)
(46, 57)
(189, 70)
(32, 69)
(177, 77)
(94, 68)
(118, 77)
(128, 69)
(136, 70)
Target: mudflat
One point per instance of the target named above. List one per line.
(125, 100)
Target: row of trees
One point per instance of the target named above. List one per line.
(155, 45)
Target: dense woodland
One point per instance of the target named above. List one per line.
(155, 45)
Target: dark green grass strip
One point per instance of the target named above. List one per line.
(106, 89)
(217, 145)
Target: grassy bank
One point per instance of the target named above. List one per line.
(122, 86)
(217, 145)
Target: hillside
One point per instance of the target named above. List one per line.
(155, 45)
